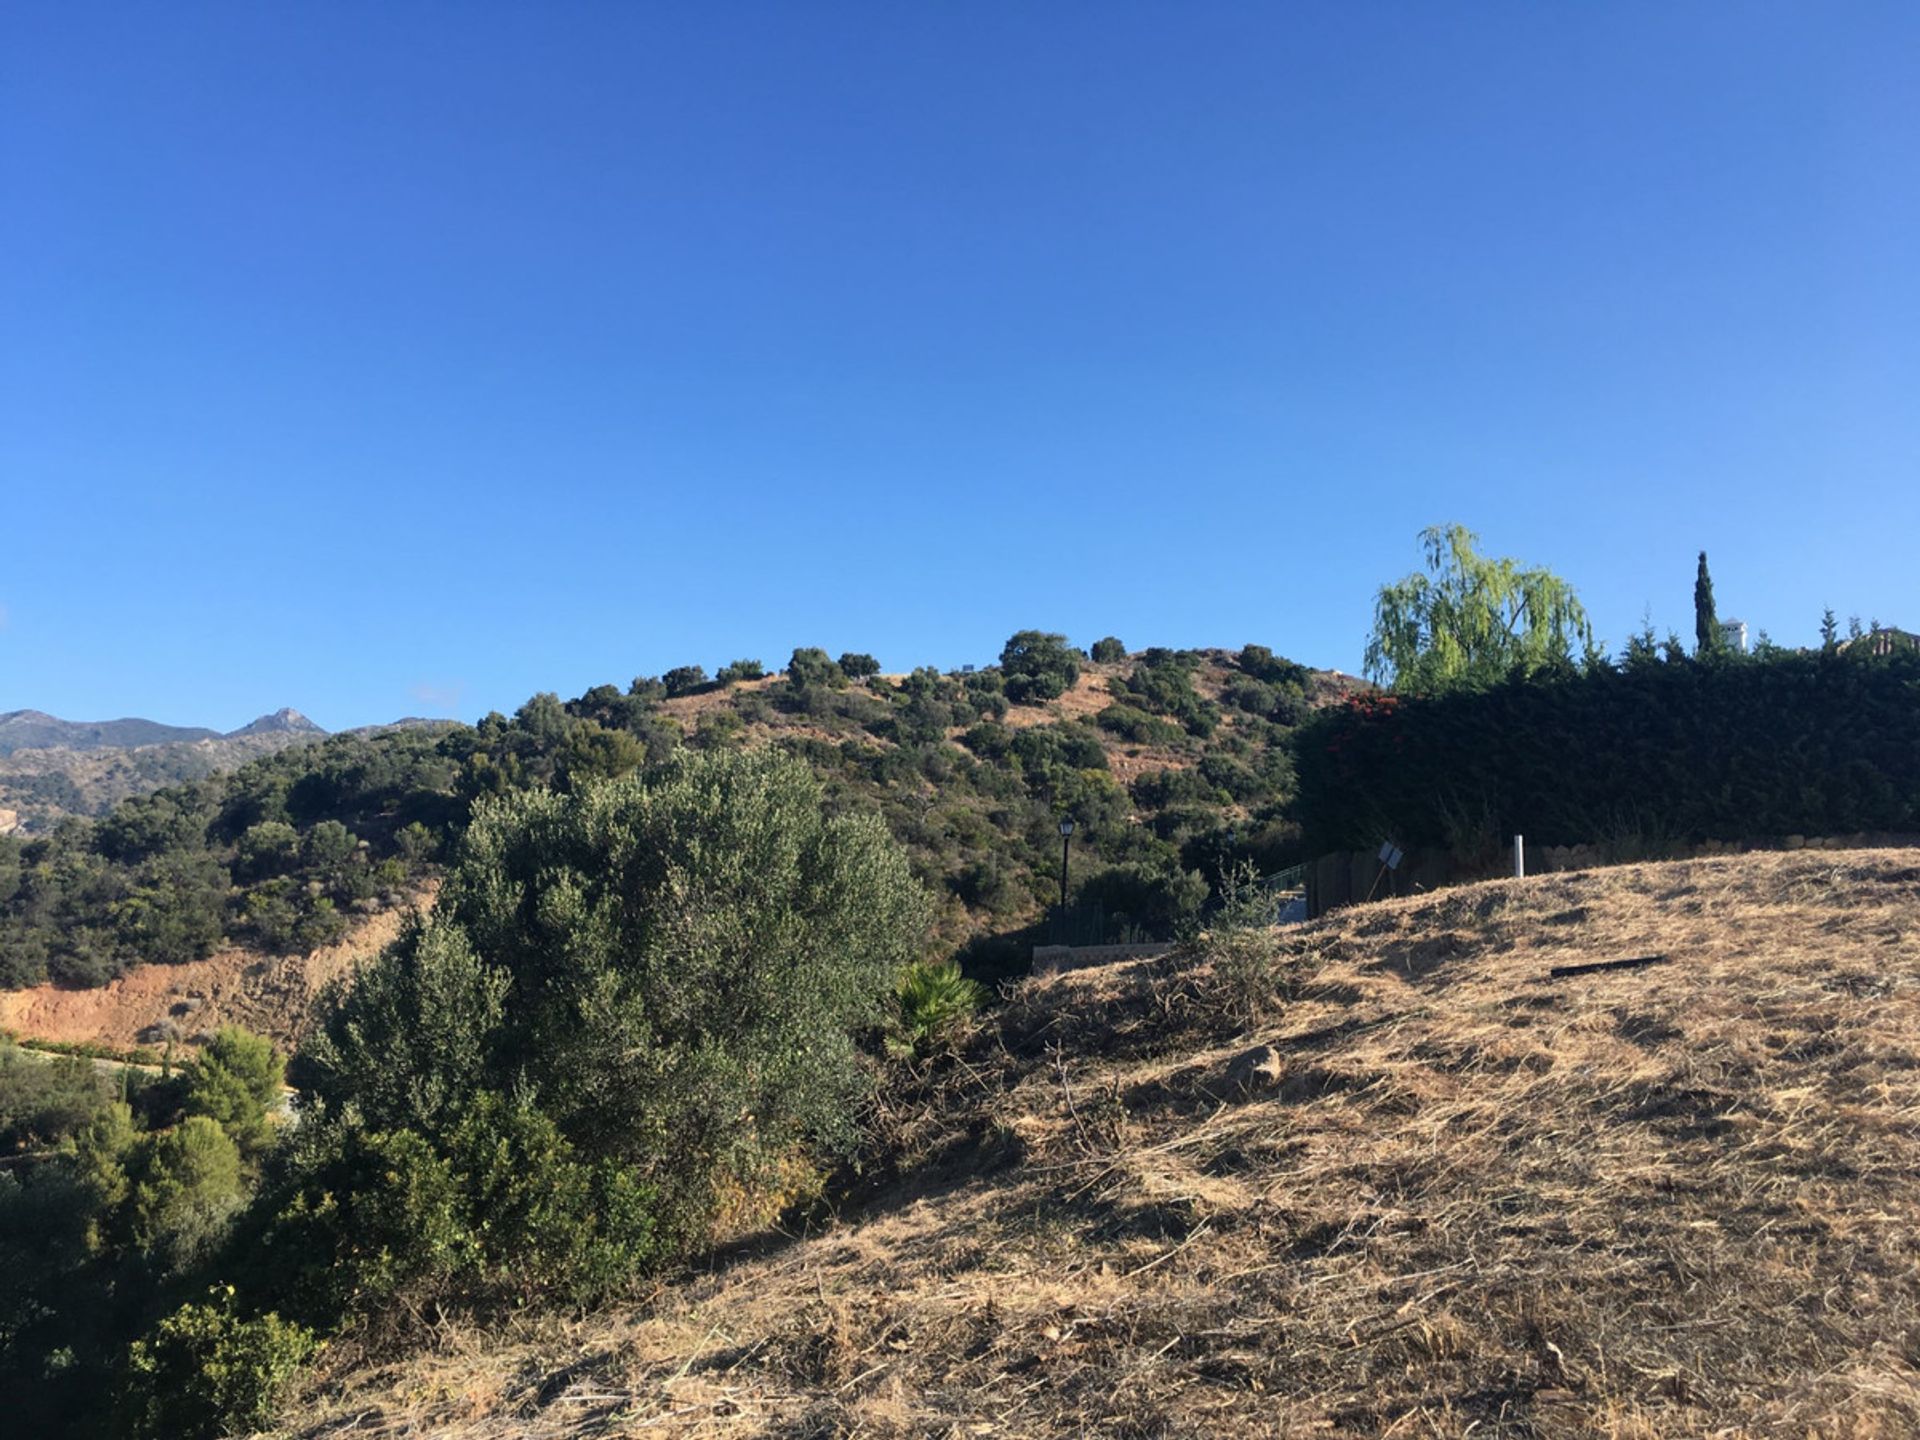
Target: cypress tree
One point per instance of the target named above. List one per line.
(1706, 624)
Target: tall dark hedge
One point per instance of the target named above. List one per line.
(1796, 744)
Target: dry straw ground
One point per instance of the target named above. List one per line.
(1677, 1201)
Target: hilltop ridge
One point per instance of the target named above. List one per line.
(37, 730)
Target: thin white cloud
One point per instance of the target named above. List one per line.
(442, 697)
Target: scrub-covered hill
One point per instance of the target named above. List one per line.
(1443, 1193)
(1175, 765)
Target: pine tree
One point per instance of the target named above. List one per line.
(1829, 631)
(1706, 624)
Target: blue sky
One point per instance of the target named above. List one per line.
(403, 359)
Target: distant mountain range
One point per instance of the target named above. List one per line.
(50, 768)
(37, 730)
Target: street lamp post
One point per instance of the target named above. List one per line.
(1066, 839)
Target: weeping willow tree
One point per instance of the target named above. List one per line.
(1471, 619)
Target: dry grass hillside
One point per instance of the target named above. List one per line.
(1466, 1198)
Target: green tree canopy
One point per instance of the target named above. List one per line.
(683, 679)
(673, 967)
(1038, 666)
(1707, 640)
(236, 1083)
(1471, 619)
(810, 665)
(185, 1188)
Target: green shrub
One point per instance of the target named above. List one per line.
(1243, 692)
(683, 680)
(857, 666)
(42, 1102)
(267, 849)
(988, 740)
(1262, 664)
(1145, 899)
(934, 1001)
(717, 730)
(1800, 744)
(1037, 667)
(497, 1206)
(1039, 748)
(327, 846)
(809, 666)
(676, 967)
(1252, 969)
(1108, 651)
(740, 670)
(237, 1084)
(322, 925)
(593, 752)
(186, 1186)
(1227, 774)
(269, 912)
(411, 1039)
(1162, 681)
(176, 910)
(1163, 789)
(204, 1371)
(1131, 723)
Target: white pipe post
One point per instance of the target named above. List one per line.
(1519, 857)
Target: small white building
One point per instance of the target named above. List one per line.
(1733, 633)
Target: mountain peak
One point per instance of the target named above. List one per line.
(284, 721)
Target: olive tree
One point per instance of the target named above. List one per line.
(672, 968)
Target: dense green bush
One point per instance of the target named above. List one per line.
(489, 1204)
(1108, 651)
(1144, 900)
(236, 1083)
(811, 666)
(43, 1102)
(740, 670)
(858, 666)
(205, 1371)
(1132, 723)
(675, 967)
(1162, 681)
(1261, 663)
(1038, 666)
(685, 680)
(184, 1187)
(1797, 744)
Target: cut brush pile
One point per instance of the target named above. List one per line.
(1457, 1197)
